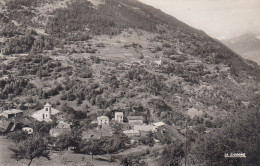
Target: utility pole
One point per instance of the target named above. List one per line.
(186, 151)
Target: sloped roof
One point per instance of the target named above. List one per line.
(158, 124)
(119, 113)
(102, 117)
(131, 132)
(4, 125)
(12, 111)
(47, 105)
(53, 112)
(25, 121)
(135, 118)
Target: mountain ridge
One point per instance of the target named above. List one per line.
(246, 45)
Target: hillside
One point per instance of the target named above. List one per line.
(246, 45)
(102, 56)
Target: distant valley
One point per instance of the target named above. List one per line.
(247, 45)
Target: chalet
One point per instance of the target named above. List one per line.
(119, 117)
(135, 119)
(45, 113)
(103, 120)
(11, 113)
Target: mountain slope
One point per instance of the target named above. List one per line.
(119, 55)
(127, 33)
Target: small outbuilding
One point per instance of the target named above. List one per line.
(11, 113)
(135, 119)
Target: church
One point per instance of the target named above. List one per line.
(46, 113)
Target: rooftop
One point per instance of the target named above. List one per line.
(12, 111)
(47, 105)
(119, 113)
(135, 117)
(102, 117)
(158, 124)
(131, 132)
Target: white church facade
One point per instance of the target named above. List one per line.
(46, 113)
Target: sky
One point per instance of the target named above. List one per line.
(221, 19)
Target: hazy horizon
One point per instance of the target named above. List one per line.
(221, 19)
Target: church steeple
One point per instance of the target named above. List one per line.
(47, 111)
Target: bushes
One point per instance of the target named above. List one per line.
(95, 59)
(15, 86)
(86, 73)
(27, 43)
(172, 154)
(7, 29)
(14, 4)
(18, 136)
(18, 44)
(109, 18)
(51, 92)
(239, 133)
(148, 140)
(103, 145)
(170, 51)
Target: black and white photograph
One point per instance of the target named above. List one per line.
(129, 82)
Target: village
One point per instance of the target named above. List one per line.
(138, 133)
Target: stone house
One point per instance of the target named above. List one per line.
(119, 117)
(103, 120)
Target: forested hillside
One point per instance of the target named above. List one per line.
(103, 56)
